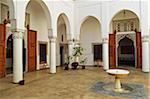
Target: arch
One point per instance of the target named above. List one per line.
(118, 12)
(85, 18)
(127, 39)
(91, 39)
(63, 26)
(46, 11)
(123, 36)
(67, 23)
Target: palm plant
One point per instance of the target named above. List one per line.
(78, 51)
(83, 61)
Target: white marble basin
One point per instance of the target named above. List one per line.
(117, 71)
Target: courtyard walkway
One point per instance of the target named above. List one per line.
(71, 84)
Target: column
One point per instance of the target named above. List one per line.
(105, 54)
(17, 55)
(70, 47)
(145, 54)
(53, 55)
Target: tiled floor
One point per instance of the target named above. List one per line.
(71, 84)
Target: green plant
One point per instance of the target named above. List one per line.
(83, 61)
(78, 51)
(68, 59)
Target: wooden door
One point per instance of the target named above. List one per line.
(112, 50)
(2, 50)
(32, 39)
(138, 50)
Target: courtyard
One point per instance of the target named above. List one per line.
(67, 84)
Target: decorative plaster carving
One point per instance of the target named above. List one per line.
(145, 38)
(121, 36)
(130, 36)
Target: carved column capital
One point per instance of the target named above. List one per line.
(18, 33)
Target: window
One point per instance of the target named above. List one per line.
(132, 26)
(62, 38)
(118, 27)
(125, 26)
(43, 58)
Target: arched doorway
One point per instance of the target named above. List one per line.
(126, 52)
(63, 28)
(91, 40)
(37, 22)
(9, 56)
(125, 34)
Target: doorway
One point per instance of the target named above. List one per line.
(97, 52)
(126, 52)
(9, 56)
(61, 55)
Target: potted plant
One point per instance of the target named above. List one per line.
(78, 51)
(67, 62)
(82, 62)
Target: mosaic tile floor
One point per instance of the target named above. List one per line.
(131, 91)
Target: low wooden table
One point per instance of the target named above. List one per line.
(118, 73)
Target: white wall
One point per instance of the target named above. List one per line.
(90, 33)
(58, 7)
(38, 23)
(61, 31)
(84, 9)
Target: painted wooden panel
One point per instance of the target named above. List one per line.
(32, 39)
(112, 51)
(138, 50)
(2, 50)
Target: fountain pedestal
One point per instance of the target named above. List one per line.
(118, 73)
